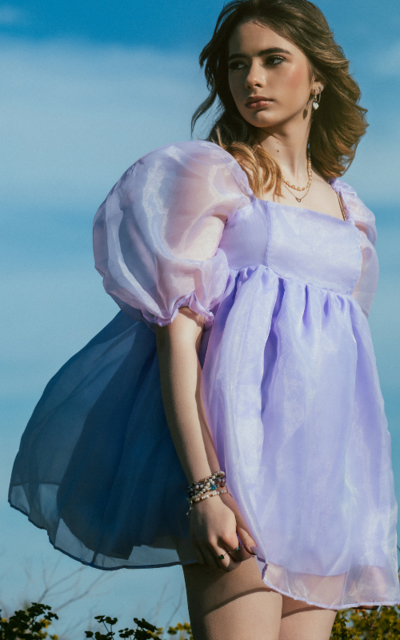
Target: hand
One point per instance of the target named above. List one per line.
(217, 528)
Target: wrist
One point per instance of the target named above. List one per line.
(205, 497)
(210, 483)
(205, 488)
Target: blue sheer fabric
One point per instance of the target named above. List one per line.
(289, 384)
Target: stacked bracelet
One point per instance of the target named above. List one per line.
(214, 485)
(211, 483)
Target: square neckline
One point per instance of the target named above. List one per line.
(331, 181)
(318, 213)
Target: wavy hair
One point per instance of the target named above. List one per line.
(337, 126)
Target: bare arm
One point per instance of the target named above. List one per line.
(177, 346)
(213, 522)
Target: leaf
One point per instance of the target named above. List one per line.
(143, 624)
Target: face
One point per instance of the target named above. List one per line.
(269, 77)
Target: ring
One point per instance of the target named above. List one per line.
(237, 549)
(222, 556)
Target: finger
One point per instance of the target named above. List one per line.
(199, 556)
(247, 541)
(211, 557)
(227, 562)
(239, 553)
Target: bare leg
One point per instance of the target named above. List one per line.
(301, 621)
(236, 605)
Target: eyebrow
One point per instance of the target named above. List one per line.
(260, 53)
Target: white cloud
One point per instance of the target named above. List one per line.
(10, 15)
(74, 116)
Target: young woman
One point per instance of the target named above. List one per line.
(241, 363)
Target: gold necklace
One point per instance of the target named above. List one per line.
(299, 199)
(308, 185)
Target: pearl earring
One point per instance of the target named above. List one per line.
(317, 100)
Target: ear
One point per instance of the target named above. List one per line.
(318, 84)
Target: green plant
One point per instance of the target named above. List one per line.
(32, 623)
(143, 631)
(374, 625)
(364, 624)
(340, 630)
(27, 623)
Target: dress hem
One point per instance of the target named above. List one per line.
(172, 564)
(337, 608)
(92, 564)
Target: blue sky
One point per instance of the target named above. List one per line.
(86, 89)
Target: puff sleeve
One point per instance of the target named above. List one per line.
(364, 219)
(156, 234)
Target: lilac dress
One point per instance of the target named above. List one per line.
(289, 384)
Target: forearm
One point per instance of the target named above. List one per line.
(180, 375)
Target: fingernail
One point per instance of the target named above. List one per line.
(254, 551)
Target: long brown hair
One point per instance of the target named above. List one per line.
(336, 127)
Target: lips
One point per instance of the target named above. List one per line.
(257, 101)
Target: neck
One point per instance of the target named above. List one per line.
(289, 149)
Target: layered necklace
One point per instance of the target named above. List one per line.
(289, 186)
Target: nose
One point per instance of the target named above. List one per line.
(254, 76)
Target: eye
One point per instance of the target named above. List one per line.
(235, 65)
(274, 60)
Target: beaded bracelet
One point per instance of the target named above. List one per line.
(204, 480)
(204, 497)
(207, 487)
(211, 483)
(212, 486)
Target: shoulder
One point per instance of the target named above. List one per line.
(196, 177)
(343, 186)
(361, 215)
(200, 150)
(191, 159)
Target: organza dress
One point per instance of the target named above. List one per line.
(289, 384)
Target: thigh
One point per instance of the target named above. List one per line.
(235, 605)
(301, 621)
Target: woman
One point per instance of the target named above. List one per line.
(245, 271)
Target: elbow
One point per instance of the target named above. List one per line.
(184, 331)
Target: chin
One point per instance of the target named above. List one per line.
(265, 121)
(260, 119)
(261, 123)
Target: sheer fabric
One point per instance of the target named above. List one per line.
(289, 383)
(156, 236)
(364, 219)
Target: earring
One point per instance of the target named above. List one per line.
(317, 99)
